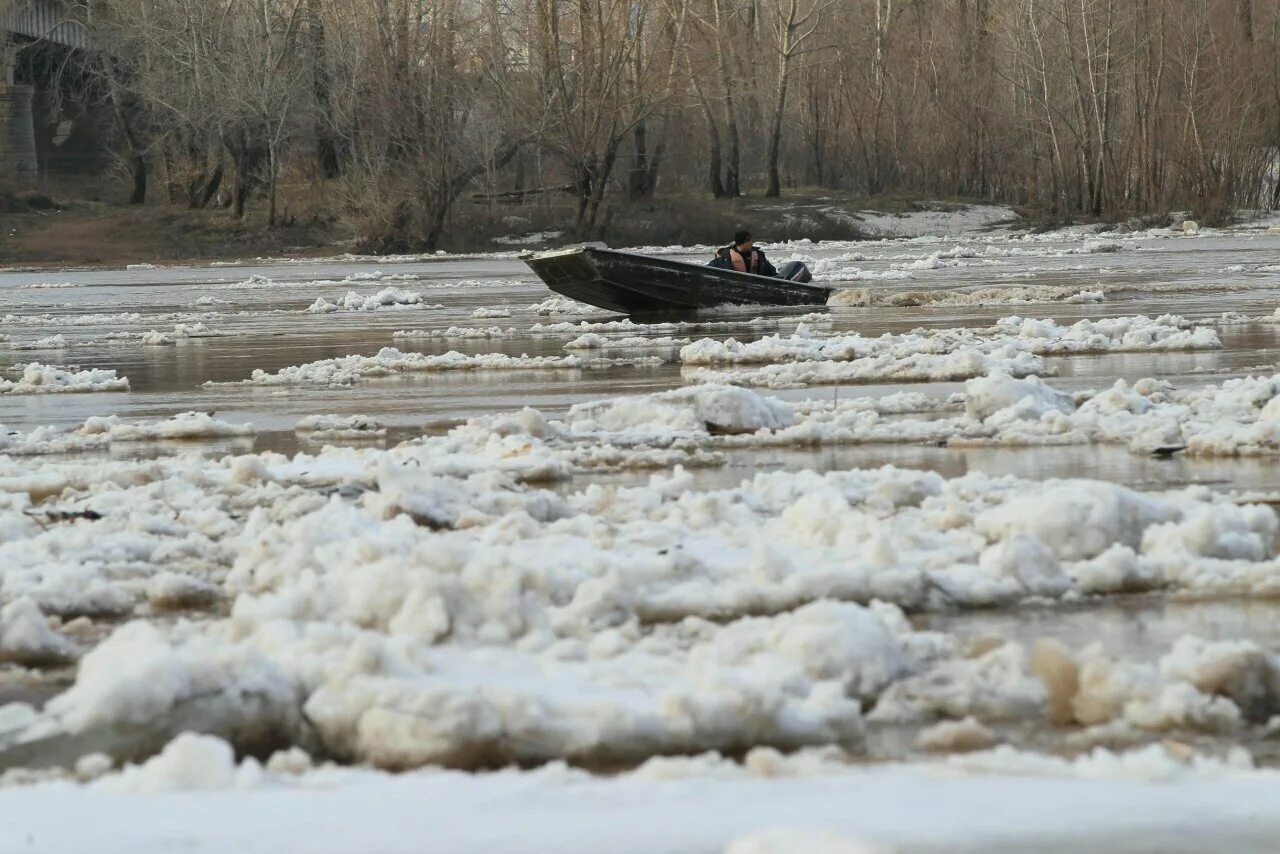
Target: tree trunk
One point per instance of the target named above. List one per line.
(774, 189)
(211, 186)
(714, 162)
(602, 179)
(137, 163)
(170, 172)
(638, 180)
(584, 172)
(1244, 12)
(714, 151)
(457, 183)
(328, 152)
(273, 173)
(732, 184)
(138, 173)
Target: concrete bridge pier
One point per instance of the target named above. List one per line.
(18, 166)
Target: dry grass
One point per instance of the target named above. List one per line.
(93, 233)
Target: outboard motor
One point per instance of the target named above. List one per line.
(795, 271)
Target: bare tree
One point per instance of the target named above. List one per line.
(795, 23)
(387, 111)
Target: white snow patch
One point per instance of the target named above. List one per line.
(464, 332)
(184, 426)
(48, 379)
(562, 305)
(349, 370)
(27, 639)
(388, 298)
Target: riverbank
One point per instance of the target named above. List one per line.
(38, 230)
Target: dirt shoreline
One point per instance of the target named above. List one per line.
(37, 232)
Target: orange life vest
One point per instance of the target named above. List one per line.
(740, 263)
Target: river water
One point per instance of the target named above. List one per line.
(957, 282)
(262, 306)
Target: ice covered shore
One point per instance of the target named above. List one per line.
(771, 804)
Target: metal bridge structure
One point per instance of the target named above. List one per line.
(22, 23)
(44, 20)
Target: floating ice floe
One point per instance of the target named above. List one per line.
(482, 332)
(698, 410)
(425, 604)
(349, 370)
(595, 341)
(46, 440)
(340, 427)
(47, 285)
(388, 298)
(1013, 346)
(1030, 335)
(940, 260)
(100, 432)
(1239, 417)
(426, 618)
(73, 319)
(49, 379)
(1012, 295)
(53, 342)
(27, 639)
(488, 313)
(184, 426)
(562, 305)
(254, 281)
(919, 367)
(379, 276)
(180, 332)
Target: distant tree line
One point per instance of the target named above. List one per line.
(392, 111)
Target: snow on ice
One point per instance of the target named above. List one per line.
(1013, 346)
(595, 341)
(349, 370)
(36, 378)
(685, 620)
(481, 332)
(197, 792)
(388, 298)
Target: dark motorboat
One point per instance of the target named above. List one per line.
(639, 284)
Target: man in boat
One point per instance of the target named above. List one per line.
(743, 256)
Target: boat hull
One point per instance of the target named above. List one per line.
(641, 284)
